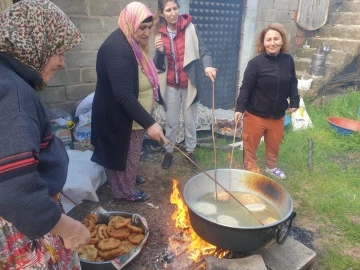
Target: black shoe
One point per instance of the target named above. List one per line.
(139, 180)
(192, 157)
(167, 161)
(139, 196)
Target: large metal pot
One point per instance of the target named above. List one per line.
(240, 239)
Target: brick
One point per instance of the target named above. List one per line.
(266, 4)
(87, 25)
(52, 94)
(67, 106)
(88, 75)
(281, 4)
(72, 7)
(293, 4)
(76, 92)
(300, 32)
(110, 24)
(80, 59)
(91, 42)
(107, 7)
(65, 77)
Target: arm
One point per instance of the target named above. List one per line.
(247, 87)
(293, 91)
(24, 196)
(206, 59)
(122, 79)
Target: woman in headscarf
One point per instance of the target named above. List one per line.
(34, 231)
(127, 85)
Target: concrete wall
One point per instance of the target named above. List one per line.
(259, 13)
(97, 19)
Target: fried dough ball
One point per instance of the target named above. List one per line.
(269, 220)
(90, 222)
(134, 229)
(94, 241)
(88, 253)
(102, 234)
(127, 245)
(121, 233)
(93, 233)
(111, 254)
(227, 220)
(222, 196)
(136, 238)
(249, 199)
(205, 208)
(108, 244)
(122, 223)
(114, 220)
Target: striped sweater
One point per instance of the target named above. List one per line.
(33, 162)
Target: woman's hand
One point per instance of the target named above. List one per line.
(291, 110)
(211, 73)
(155, 132)
(73, 232)
(238, 120)
(159, 45)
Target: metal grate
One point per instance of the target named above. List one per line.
(218, 22)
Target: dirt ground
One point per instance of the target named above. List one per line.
(159, 185)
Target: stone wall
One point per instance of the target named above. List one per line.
(259, 13)
(96, 20)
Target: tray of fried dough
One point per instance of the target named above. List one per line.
(116, 239)
(226, 127)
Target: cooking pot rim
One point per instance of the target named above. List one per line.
(284, 219)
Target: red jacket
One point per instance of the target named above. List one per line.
(179, 50)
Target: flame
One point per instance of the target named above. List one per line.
(196, 248)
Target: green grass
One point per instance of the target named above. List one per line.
(328, 197)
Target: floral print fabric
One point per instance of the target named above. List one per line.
(34, 30)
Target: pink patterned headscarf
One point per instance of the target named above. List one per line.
(129, 21)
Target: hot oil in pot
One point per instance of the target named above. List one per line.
(232, 213)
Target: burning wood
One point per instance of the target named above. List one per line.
(187, 241)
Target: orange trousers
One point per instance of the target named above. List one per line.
(254, 127)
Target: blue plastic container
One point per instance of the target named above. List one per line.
(344, 126)
(287, 120)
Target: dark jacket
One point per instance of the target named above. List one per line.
(33, 162)
(268, 82)
(115, 103)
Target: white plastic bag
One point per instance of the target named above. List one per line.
(85, 105)
(83, 179)
(301, 119)
(83, 128)
(303, 84)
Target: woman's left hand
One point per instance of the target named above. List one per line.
(211, 73)
(291, 110)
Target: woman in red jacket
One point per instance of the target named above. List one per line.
(178, 51)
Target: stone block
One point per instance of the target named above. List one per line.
(254, 262)
(284, 16)
(87, 25)
(293, 4)
(88, 75)
(67, 106)
(290, 255)
(270, 15)
(52, 94)
(110, 24)
(76, 92)
(266, 4)
(107, 7)
(281, 4)
(65, 77)
(91, 42)
(80, 59)
(72, 7)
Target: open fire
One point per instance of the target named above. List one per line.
(188, 242)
